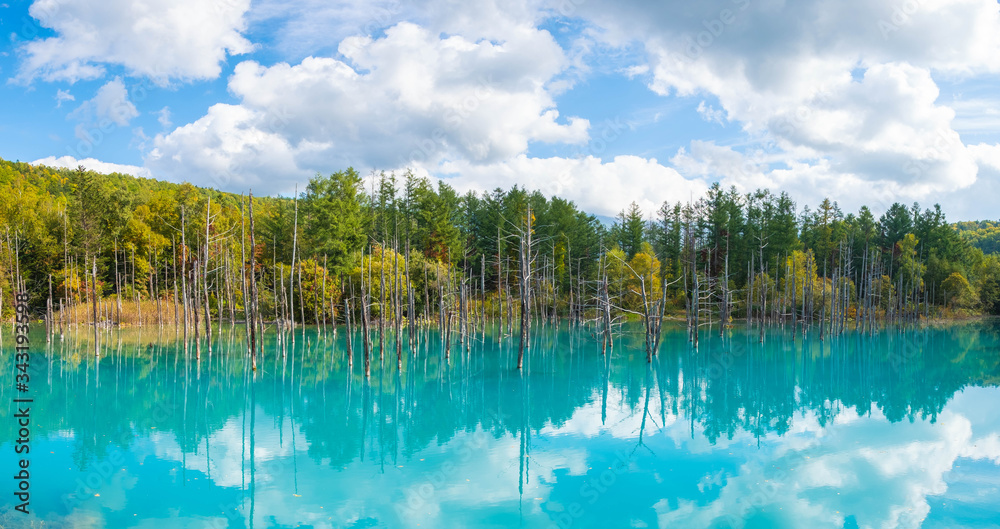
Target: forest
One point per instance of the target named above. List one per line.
(399, 251)
(982, 234)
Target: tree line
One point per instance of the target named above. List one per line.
(389, 253)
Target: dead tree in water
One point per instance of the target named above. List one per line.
(204, 277)
(524, 277)
(609, 340)
(184, 292)
(365, 305)
(243, 272)
(291, 278)
(347, 321)
(93, 297)
(652, 310)
(411, 313)
(254, 313)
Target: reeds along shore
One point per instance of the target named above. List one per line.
(404, 256)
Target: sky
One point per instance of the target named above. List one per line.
(865, 102)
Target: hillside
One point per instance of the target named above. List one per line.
(983, 234)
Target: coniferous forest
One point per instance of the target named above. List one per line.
(387, 253)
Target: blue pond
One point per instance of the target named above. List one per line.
(894, 429)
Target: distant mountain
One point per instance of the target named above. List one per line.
(606, 220)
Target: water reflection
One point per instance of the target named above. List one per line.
(895, 429)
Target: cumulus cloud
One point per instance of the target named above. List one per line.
(906, 463)
(309, 27)
(825, 99)
(163, 117)
(847, 90)
(809, 180)
(160, 39)
(231, 147)
(69, 162)
(602, 188)
(111, 103)
(411, 97)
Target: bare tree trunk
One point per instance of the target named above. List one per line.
(365, 304)
(229, 286)
(525, 281)
(795, 321)
(302, 304)
(350, 331)
(204, 277)
(254, 316)
(118, 289)
(822, 305)
(184, 291)
(194, 306)
(154, 287)
(291, 279)
(135, 290)
(411, 303)
(323, 296)
(398, 302)
(93, 297)
(49, 314)
(381, 301)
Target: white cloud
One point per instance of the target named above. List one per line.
(797, 473)
(710, 113)
(986, 155)
(809, 181)
(229, 148)
(91, 164)
(408, 98)
(595, 186)
(309, 27)
(110, 104)
(464, 90)
(821, 83)
(160, 39)
(315, 27)
(976, 116)
(163, 117)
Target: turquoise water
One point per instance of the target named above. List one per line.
(899, 429)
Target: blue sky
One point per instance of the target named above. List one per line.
(865, 102)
